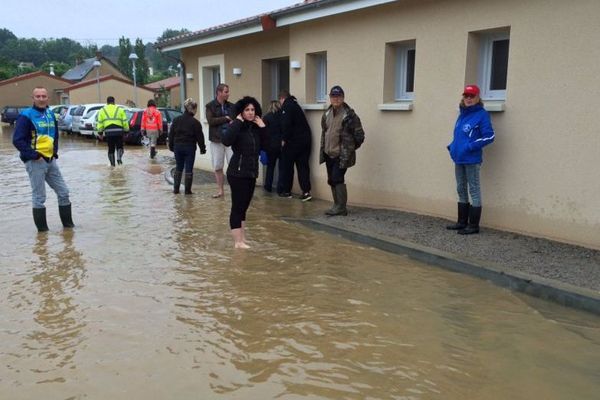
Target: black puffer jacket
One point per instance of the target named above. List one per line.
(246, 140)
(186, 130)
(273, 122)
(296, 131)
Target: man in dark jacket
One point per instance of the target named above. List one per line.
(219, 114)
(341, 135)
(295, 147)
(36, 138)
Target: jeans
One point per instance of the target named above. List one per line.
(272, 156)
(40, 172)
(467, 182)
(185, 155)
(335, 174)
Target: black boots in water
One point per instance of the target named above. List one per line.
(65, 216)
(474, 218)
(39, 217)
(188, 179)
(176, 181)
(340, 198)
(120, 156)
(152, 152)
(463, 217)
(111, 158)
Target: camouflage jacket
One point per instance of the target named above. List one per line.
(352, 136)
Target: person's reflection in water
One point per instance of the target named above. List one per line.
(59, 317)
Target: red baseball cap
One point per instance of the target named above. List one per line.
(471, 89)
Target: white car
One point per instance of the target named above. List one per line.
(81, 111)
(87, 124)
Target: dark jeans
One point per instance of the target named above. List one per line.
(185, 155)
(272, 157)
(335, 174)
(114, 142)
(242, 190)
(291, 155)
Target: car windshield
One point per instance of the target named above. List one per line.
(90, 114)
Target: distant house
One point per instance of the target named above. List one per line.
(170, 88)
(16, 91)
(97, 90)
(85, 69)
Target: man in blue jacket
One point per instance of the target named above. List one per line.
(36, 138)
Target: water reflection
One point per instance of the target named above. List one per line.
(57, 278)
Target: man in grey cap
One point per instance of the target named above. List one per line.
(342, 134)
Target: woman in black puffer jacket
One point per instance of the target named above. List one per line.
(247, 136)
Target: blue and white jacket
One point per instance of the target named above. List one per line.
(36, 134)
(472, 131)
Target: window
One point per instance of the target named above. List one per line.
(493, 65)
(404, 72)
(316, 79)
(276, 76)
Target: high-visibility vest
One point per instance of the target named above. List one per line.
(112, 118)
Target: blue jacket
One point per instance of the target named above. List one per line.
(472, 131)
(36, 134)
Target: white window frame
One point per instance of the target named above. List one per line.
(401, 71)
(485, 66)
(321, 78)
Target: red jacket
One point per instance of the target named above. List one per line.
(152, 120)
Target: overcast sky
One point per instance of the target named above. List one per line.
(105, 21)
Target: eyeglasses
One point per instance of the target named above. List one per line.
(469, 96)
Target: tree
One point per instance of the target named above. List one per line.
(141, 64)
(124, 52)
(5, 36)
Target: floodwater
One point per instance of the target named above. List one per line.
(146, 299)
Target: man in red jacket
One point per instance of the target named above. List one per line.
(152, 125)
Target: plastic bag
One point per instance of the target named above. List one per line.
(264, 160)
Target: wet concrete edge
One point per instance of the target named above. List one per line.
(558, 292)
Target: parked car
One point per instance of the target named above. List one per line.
(65, 121)
(87, 124)
(134, 136)
(11, 113)
(80, 112)
(57, 109)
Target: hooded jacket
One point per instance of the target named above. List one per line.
(152, 120)
(472, 131)
(294, 126)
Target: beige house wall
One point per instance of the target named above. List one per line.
(539, 177)
(121, 91)
(19, 93)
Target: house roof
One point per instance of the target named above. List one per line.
(297, 13)
(102, 78)
(32, 75)
(168, 83)
(79, 71)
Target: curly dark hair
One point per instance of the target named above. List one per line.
(243, 103)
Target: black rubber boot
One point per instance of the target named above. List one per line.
(39, 217)
(152, 152)
(463, 217)
(188, 179)
(111, 158)
(65, 216)
(474, 218)
(120, 156)
(176, 181)
(334, 209)
(342, 199)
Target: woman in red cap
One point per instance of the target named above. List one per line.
(472, 131)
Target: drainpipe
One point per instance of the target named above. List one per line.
(182, 97)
